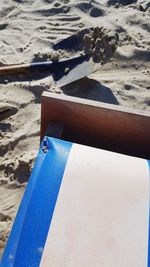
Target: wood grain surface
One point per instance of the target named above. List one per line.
(101, 125)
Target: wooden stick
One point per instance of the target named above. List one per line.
(43, 66)
(14, 69)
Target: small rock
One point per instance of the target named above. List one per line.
(6, 81)
(116, 5)
(58, 91)
(55, 57)
(66, 70)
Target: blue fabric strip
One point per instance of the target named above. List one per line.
(28, 236)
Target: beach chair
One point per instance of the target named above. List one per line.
(87, 200)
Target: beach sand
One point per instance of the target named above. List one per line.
(29, 27)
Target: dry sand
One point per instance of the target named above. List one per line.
(29, 27)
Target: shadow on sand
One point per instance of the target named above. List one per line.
(90, 89)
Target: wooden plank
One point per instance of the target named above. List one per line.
(97, 124)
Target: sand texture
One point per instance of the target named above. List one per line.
(28, 29)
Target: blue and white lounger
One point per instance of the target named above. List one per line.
(83, 207)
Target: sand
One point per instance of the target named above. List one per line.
(28, 29)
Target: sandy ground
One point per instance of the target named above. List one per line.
(28, 27)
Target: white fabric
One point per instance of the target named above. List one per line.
(102, 212)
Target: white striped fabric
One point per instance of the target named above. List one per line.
(101, 217)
